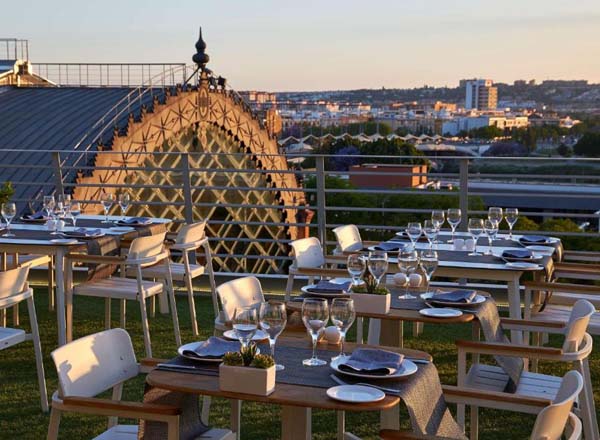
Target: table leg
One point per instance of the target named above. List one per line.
(296, 423)
(390, 418)
(59, 267)
(514, 306)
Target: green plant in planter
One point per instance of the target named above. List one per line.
(248, 357)
(370, 287)
(248, 353)
(263, 361)
(233, 359)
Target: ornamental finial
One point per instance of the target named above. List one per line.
(200, 57)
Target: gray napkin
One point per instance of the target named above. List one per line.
(373, 361)
(390, 246)
(329, 287)
(133, 221)
(466, 296)
(213, 347)
(84, 233)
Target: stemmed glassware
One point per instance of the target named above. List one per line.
(491, 229)
(408, 261)
(315, 314)
(65, 200)
(273, 318)
(475, 227)
(378, 265)
(245, 323)
(75, 211)
(9, 210)
(49, 205)
(429, 263)
(124, 201)
(438, 217)
(454, 217)
(511, 215)
(414, 231)
(495, 214)
(356, 267)
(342, 316)
(57, 213)
(430, 231)
(107, 199)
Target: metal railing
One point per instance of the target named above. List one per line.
(14, 49)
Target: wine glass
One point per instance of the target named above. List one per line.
(511, 215)
(107, 200)
(75, 211)
(9, 210)
(430, 231)
(491, 229)
(414, 231)
(475, 227)
(495, 214)
(408, 261)
(378, 265)
(245, 323)
(342, 316)
(429, 263)
(315, 314)
(273, 318)
(124, 200)
(454, 217)
(57, 214)
(438, 217)
(49, 205)
(356, 267)
(65, 201)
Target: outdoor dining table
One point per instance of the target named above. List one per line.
(296, 399)
(35, 238)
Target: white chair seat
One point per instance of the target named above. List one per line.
(11, 336)
(117, 287)
(119, 432)
(177, 271)
(556, 313)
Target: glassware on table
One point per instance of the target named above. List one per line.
(65, 201)
(8, 210)
(491, 229)
(107, 199)
(378, 264)
(75, 211)
(124, 201)
(356, 267)
(414, 231)
(475, 228)
(430, 231)
(454, 218)
(342, 315)
(429, 263)
(245, 323)
(315, 314)
(408, 261)
(495, 214)
(438, 217)
(273, 318)
(511, 215)
(49, 205)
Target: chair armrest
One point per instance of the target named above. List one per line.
(336, 258)
(188, 246)
(99, 259)
(533, 325)
(561, 287)
(508, 349)
(149, 364)
(577, 267)
(322, 272)
(471, 396)
(123, 408)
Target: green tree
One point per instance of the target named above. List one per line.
(588, 145)
(564, 150)
(6, 192)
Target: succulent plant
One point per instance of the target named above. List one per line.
(263, 361)
(370, 287)
(233, 359)
(248, 353)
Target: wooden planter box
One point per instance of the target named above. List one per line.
(247, 380)
(376, 304)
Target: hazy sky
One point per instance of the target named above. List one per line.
(327, 44)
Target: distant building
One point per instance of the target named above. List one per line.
(480, 94)
(388, 176)
(467, 123)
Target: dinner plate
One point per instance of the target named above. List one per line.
(549, 240)
(33, 220)
(476, 301)
(83, 237)
(393, 251)
(121, 229)
(355, 394)
(63, 240)
(260, 335)
(544, 250)
(305, 290)
(406, 369)
(441, 312)
(193, 346)
(522, 265)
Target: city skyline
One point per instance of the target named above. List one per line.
(264, 45)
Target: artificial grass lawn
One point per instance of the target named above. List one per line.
(21, 416)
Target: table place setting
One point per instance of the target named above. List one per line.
(332, 288)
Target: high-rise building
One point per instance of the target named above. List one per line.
(480, 94)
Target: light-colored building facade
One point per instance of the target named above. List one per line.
(480, 94)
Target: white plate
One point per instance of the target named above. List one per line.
(120, 229)
(406, 369)
(193, 345)
(440, 312)
(544, 250)
(63, 240)
(395, 251)
(355, 394)
(260, 335)
(523, 265)
(304, 289)
(476, 301)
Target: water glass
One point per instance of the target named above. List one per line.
(75, 211)
(438, 217)
(491, 229)
(414, 231)
(315, 314)
(454, 218)
(408, 261)
(356, 267)
(429, 263)
(124, 201)
(65, 201)
(9, 210)
(430, 231)
(273, 318)
(511, 215)
(107, 199)
(342, 316)
(378, 264)
(245, 323)
(49, 205)
(475, 229)
(495, 214)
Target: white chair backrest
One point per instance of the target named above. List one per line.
(95, 363)
(348, 238)
(191, 233)
(13, 281)
(551, 421)
(308, 252)
(241, 292)
(146, 247)
(577, 325)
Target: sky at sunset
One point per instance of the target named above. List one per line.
(327, 44)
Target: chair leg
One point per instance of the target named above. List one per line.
(54, 424)
(192, 304)
(205, 413)
(171, 295)
(106, 313)
(152, 307)
(173, 429)
(341, 424)
(236, 416)
(37, 348)
(122, 313)
(3, 318)
(16, 315)
(145, 327)
(51, 297)
(592, 429)
(289, 286)
(474, 423)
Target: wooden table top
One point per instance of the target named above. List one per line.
(284, 394)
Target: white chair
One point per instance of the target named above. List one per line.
(575, 351)
(98, 363)
(143, 252)
(13, 290)
(551, 423)
(189, 239)
(348, 239)
(240, 292)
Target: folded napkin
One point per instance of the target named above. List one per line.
(135, 221)
(40, 215)
(324, 286)
(213, 348)
(519, 254)
(390, 246)
(373, 361)
(533, 239)
(464, 296)
(84, 232)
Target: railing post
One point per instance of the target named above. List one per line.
(463, 195)
(187, 188)
(58, 173)
(321, 207)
